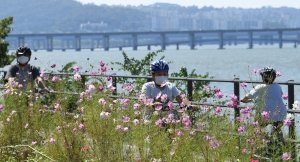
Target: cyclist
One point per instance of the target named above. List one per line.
(23, 73)
(160, 89)
(268, 97)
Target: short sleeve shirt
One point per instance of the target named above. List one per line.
(271, 96)
(28, 75)
(151, 91)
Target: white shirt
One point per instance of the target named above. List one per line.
(271, 97)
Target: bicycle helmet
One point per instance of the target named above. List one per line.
(268, 74)
(159, 65)
(23, 50)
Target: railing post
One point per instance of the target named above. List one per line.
(292, 133)
(236, 89)
(83, 81)
(190, 88)
(114, 83)
(149, 79)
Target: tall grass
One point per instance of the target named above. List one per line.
(93, 126)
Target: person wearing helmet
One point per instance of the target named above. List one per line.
(23, 72)
(268, 99)
(160, 89)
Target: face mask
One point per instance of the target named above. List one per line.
(160, 79)
(23, 59)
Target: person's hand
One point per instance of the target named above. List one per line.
(193, 107)
(44, 90)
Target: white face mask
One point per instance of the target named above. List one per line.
(23, 59)
(160, 79)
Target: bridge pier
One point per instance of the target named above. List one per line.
(221, 40)
(77, 43)
(120, 48)
(134, 42)
(192, 41)
(295, 45)
(250, 40)
(49, 43)
(163, 41)
(280, 38)
(62, 45)
(177, 46)
(149, 47)
(106, 42)
(21, 41)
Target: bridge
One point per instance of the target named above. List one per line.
(192, 38)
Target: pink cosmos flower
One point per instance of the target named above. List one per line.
(256, 124)
(108, 78)
(244, 84)
(1, 107)
(245, 150)
(148, 101)
(52, 141)
(76, 68)
(229, 104)
(286, 156)
(102, 102)
(111, 87)
(219, 94)
(20, 86)
(91, 88)
(54, 79)
(241, 129)
(126, 119)
(42, 74)
(119, 128)
(46, 78)
(287, 122)
(33, 142)
(159, 122)
(265, 115)
(164, 98)
(285, 96)
(74, 130)
(103, 69)
(53, 66)
(218, 110)
(170, 104)
(180, 134)
(164, 83)
(102, 63)
(239, 119)
(7, 92)
(100, 88)
(94, 73)
(246, 110)
(77, 77)
(136, 106)
(159, 107)
(233, 97)
(278, 74)
(81, 126)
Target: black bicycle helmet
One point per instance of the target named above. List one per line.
(268, 74)
(159, 65)
(23, 50)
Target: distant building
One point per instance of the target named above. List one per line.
(94, 26)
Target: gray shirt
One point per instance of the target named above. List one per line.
(270, 96)
(28, 75)
(151, 91)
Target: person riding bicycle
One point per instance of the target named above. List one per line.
(268, 97)
(160, 89)
(23, 73)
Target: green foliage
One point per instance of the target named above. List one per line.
(197, 85)
(138, 67)
(5, 58)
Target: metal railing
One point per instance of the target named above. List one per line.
(236, 89)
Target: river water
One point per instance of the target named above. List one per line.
(230, 63)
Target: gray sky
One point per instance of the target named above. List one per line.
(201, 3)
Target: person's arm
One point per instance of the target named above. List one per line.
(245, 99)
(10, 76)
(39, 81)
